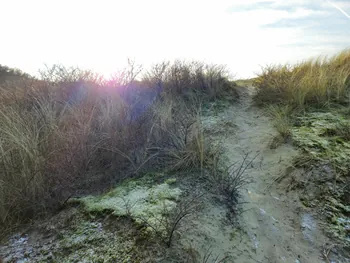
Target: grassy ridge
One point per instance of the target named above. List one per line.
(317, 83)
(73, 129)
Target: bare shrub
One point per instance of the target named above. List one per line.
(191, 80)
(60, 74)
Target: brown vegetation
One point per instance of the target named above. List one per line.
(73, 129)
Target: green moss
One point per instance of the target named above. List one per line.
(317, 136)
(339, 224)
(136, 199)
(87, 240)
(324, 138)
(105, 249)
(148, 179)
(170, 181)
(83, 240)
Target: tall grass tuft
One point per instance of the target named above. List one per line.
(281, 119)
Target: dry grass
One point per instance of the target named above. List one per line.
(282, 119)
(60, 132)
(317, 83)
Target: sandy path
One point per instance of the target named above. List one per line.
(274, 226)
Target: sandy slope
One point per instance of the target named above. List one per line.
(273, 227)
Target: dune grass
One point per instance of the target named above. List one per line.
(59, 132)
(316, 83)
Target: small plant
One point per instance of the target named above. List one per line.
(208, 257)
(171, 220)
(229, 181)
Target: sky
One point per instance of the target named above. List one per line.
(100, 35)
